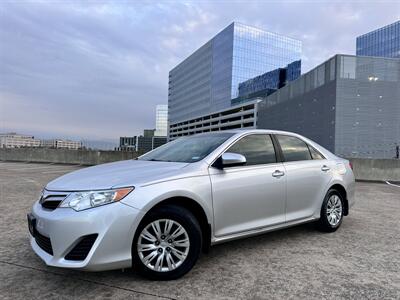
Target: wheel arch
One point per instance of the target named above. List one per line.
(342, 191)
(196, 209)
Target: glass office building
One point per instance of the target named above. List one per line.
(209, 78)
(382, 42)
(271, 80)
(161, 120)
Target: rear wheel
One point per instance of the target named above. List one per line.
(167, 243)
(331, 211)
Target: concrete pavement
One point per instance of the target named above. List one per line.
(361, 260)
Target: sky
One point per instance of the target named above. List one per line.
(94, 70)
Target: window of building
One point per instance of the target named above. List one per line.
(257, 149)
(332, 69)
(293, 148)
(320, 80)
(348, 67)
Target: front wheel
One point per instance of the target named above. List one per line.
(331, 212)
(167, 243)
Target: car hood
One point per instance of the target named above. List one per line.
(117, 174)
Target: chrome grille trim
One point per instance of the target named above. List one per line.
(51, 199)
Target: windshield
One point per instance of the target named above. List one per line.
(188, 149)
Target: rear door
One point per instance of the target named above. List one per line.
(250, 196)
(307, 175)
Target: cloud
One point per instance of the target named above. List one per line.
(97, 69)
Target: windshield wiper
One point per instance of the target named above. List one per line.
(153, 159)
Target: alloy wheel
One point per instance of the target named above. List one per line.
(334, 210)
(163, 245)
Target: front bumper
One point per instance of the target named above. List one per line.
(115, 224)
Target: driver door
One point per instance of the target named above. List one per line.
(251, 196)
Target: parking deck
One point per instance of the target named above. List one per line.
(361, 260)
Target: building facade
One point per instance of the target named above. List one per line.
(146, 144)
(61, 144)
(13, 140)
(127, 143)
(148, 133)
(142, 144)
(382, 42)
(235, 117)
(271, 80)
(161, 120)
(349, 104)
(209, 78)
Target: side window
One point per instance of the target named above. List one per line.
(293, 148)
(257, 148)
(314, 153)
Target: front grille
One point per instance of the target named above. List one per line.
(51, 200)
(81, 250)
(43, 242)
(51, 204)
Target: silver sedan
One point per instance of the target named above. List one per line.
(157, 213)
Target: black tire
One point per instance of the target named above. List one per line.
(323, 223)
(187, 220)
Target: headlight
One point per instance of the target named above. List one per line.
(84, 200)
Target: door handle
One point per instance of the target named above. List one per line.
(325, 168)
(278, 173)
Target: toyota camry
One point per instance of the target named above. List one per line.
(158, 212)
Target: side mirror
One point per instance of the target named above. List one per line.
(229, 159)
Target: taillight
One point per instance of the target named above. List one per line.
(351, 165)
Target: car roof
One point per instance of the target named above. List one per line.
(238, 132)
(243, 131)
(267, 131)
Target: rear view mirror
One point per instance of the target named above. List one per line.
(229, 159)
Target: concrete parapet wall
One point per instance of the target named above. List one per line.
(364, 169)
(376, 169)
(64, 156)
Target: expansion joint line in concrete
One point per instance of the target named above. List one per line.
(86, 280)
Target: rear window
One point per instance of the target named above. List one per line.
(293, 148)
(315, 154)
